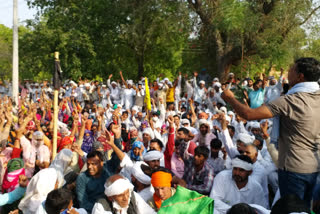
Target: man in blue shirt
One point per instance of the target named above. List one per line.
(90, 184)
(256, 96)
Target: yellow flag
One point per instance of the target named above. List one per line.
(147, 99)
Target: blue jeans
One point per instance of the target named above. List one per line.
(299, 184)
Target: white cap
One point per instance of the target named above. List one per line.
(202, 82)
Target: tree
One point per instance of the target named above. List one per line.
(234, 30)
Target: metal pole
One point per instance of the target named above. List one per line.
(15, 57)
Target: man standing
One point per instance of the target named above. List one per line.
(299, 133)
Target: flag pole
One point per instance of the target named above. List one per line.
(55, 112)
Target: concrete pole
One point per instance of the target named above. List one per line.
(15, 57)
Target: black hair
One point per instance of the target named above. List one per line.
(58, 200)
(257, 81)
(288, 204)
(309, 67)
(202, 150)
(125, 112)
(241, 208)
(176, 116)
(184, 130)
(244, 158)
(286, 87)
(157, 141)
(259, 138)
(216, 143)
(232, 128)
(93, 154)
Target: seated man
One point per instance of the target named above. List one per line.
(120, 198)
(167, 199)
(232, 187)
(198, 174)
(141, 182)
(152, 158)
(89, 184)
(59, 201)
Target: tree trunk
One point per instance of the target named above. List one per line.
(140, 66)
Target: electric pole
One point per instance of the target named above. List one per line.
(15, 57)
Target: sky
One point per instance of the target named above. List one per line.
(6, 10)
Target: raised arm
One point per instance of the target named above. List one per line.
(245, 111)
(123, 81)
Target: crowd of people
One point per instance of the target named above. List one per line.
(230, 147)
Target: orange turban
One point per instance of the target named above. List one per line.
(161, 179)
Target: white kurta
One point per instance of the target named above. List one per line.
(142, 206)
(226, 193)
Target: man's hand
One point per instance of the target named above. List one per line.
(264, 129)
(76, 148)
(116, 130)
(171, 121)
(110, 76)
(223, 121)
(227, 95)
(110, 139)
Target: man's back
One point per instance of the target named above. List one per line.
(299, 131)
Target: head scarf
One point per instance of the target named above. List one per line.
(37, 190)
(136, 144)
(160, 179)
(88, 140)
(64, 142)
(62, 161)
(11, 177)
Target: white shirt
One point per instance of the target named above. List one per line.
(217, 164)
(142, 206)
(226, 193)
(146, 193)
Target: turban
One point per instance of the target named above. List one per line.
(139, 174)
(149, 132)
(236, 162)
(152, 155)
(87, 85)
(203, 122)
(203, 114)
(118, 187)
(130, 82)
(231, 113)
(161, 179)
(255, 125)
(245, 138)
(202, 82)
(217, 84)
(216, 79)
(185, 121)
(224, 109)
